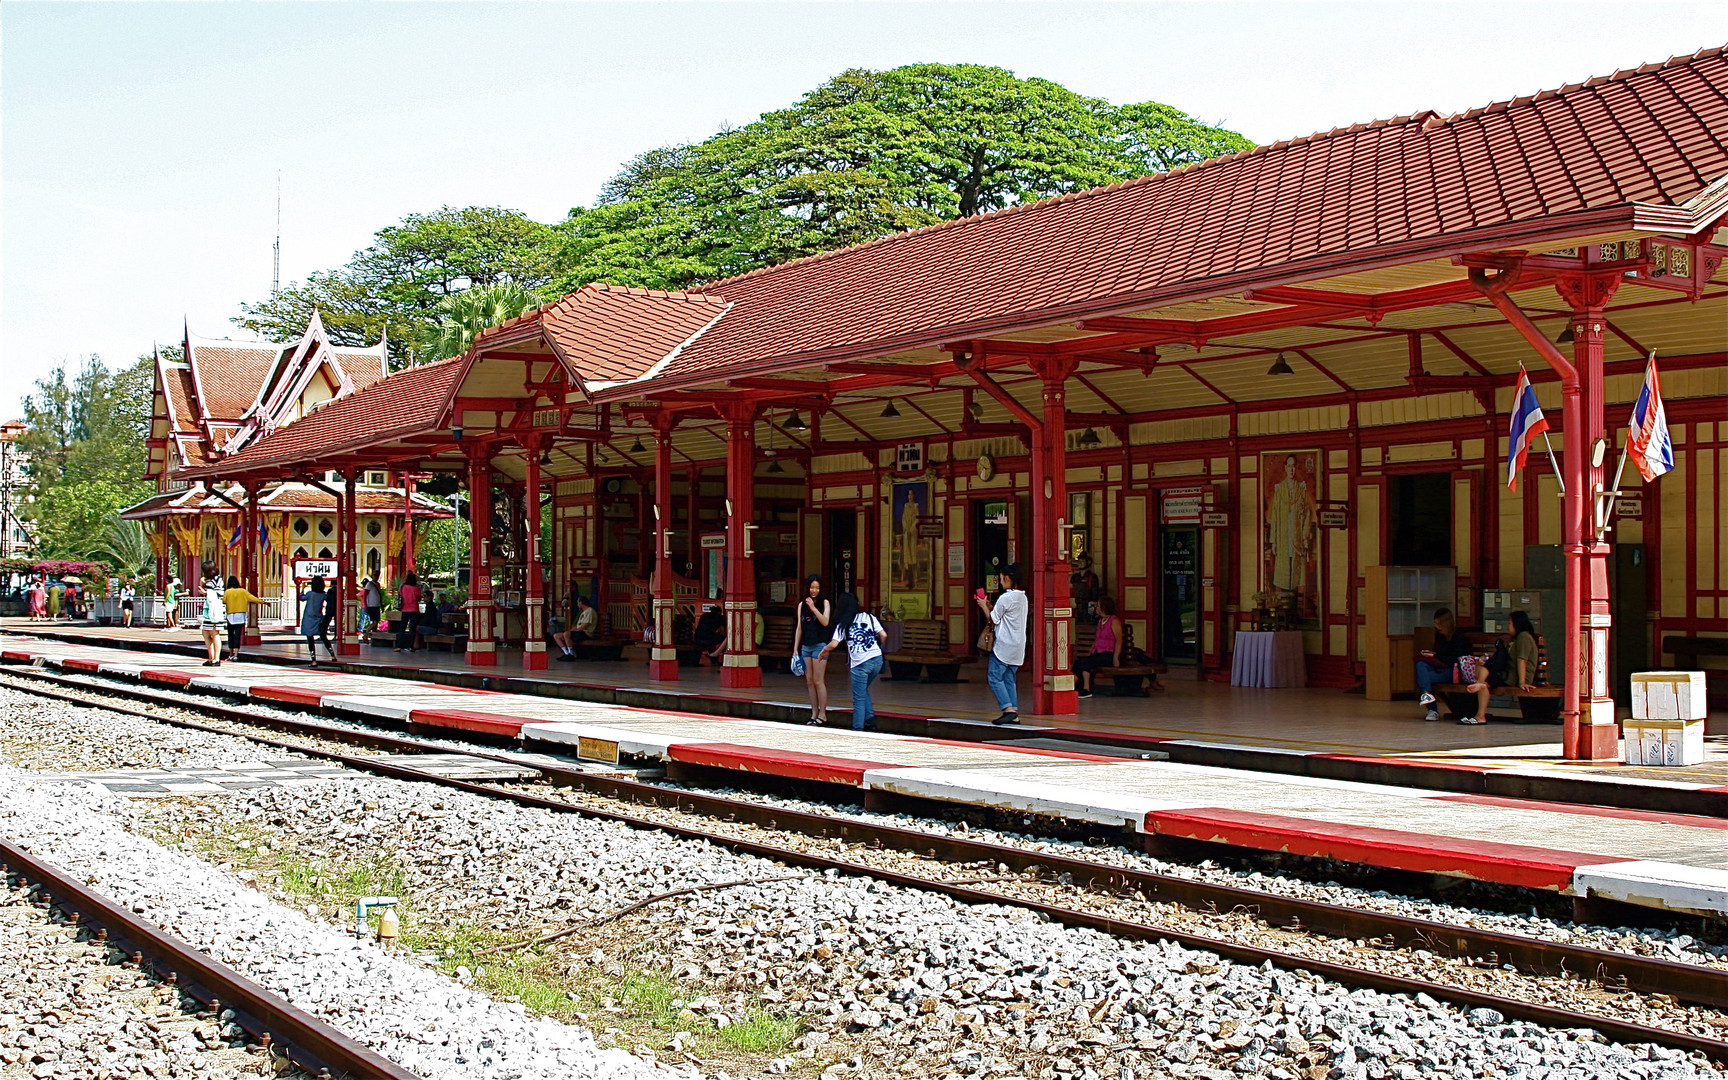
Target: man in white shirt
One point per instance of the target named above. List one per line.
(1008, 616)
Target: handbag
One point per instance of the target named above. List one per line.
(798, 664)
(987, 638)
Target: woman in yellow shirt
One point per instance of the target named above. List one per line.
(236, 601)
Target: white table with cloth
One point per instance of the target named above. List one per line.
(1268, 658)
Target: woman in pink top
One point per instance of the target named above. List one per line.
(1106, 646)
(410, 607)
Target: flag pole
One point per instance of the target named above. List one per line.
(1613, 493)
(1556, 464)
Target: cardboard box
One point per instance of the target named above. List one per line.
(1671, 743)
(1668, 695)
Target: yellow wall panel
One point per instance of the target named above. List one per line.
(1463, 528)
(1368, 526)
(1704, 543)
(1337, 641)
(1249, 532)
(1134, 536)
(1134, 598)
(1676, 536)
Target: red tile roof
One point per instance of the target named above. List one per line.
(229, 377)
(365, 368)
(405, 402)
(609, 332)
(1416, 184)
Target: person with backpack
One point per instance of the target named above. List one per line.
(1007, 646)
(863, 635)
(212, 617)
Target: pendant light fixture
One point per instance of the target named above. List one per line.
(1280, 366)
(795, 422)
(1565, 335)
(637, 447)
(889, 412)
(1089, 438)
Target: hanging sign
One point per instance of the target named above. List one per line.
(307, 569)
(1629, 508)
(1214, 519)
(931, 527)
(714, 540)
(1334, 519)
(909, 457)
(1182, 505)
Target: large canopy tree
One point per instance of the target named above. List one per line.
(398, 283)
(866, 154)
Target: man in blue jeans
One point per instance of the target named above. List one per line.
(1008, 619)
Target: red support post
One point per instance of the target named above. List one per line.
(482, 651)
(663, 654)
(1053, 689)
(407, 524)
(1596, 734)
(249, 559)
(534, 656)
(741, 667)
(348, 533)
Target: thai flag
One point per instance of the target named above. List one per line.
(240, 533)
(1527, 423)
(1648, 443)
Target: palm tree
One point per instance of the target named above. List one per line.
(470, 311)
(124, 545)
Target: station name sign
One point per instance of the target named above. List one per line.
(307, 569)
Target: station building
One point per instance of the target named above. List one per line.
(224, 395)
(1268, 392)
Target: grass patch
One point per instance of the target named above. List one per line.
(760, 1032)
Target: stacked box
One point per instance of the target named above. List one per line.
(1667, 725)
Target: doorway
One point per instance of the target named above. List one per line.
(1179, 577)
(1419, 519)
(842, 576)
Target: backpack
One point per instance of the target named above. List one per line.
(1499, 664)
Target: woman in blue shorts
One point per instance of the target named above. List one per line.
(814, 618)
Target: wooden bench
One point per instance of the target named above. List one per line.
(777, 634)
(1127, 680)
(1538, 705)
(924, 649)
(452, 633)
(604, 645)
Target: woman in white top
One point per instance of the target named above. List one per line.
(1008, 617)
(863, 634)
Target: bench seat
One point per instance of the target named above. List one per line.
(924, 652)
(1127, 680)
(1538, 705)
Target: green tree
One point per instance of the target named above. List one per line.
(411, 267)
(86, 449)
(123, 544)
(864, 155)
(466, 313)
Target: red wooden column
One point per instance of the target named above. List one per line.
(534, 656)
(742, 668)
(348, 623)
(1596, 735)
(1052, 643)
(663, 655)
(407, 524)
(481, 649)
(249, 554)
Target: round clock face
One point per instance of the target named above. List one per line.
(986, 467)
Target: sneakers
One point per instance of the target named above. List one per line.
(1085, 693)
(1471, 720)
(1427, 699)
(1006, 718)
(1433, 715)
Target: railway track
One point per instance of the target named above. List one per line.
(278, 1026)
(1058, 887)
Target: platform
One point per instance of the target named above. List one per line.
(1649, 857)
(1321, 733)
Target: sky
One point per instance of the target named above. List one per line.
(140, 143)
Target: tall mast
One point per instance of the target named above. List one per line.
(276, 269)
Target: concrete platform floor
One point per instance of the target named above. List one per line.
(1308, 720)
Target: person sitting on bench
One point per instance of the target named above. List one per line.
(710, 634)
(1106, 647)
(587, 621)
(1435, 665)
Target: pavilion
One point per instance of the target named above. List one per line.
(1233, 392)
(224, 395)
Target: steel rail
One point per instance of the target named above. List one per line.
(279, 1026)
(1689, 982)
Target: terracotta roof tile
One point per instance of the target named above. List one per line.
(229, 377)
(407, 401)
(1650, 135)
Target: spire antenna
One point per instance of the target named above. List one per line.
(276, 269)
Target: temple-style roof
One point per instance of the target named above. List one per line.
(609, 333)
(281, 498)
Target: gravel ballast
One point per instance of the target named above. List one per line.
(884, 981)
